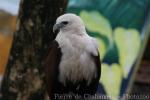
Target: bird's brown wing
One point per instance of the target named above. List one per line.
(93, 86)
(51, 64)
(95, 82)
(98, 65)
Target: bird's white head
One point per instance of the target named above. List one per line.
(69, 23)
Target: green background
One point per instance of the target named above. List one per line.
(117, 25)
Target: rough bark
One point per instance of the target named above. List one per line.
(24, 76)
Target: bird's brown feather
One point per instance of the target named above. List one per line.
(51, 64)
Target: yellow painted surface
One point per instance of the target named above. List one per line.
(7, 27)
(5, 45)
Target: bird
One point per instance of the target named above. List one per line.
(72, 63)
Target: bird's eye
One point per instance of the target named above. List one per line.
(64, 22)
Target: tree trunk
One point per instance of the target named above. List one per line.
(24, 76)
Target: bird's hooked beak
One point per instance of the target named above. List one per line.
(56, 27)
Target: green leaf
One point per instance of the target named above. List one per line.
(102, 48)
(111, 79)
(96, 22)
(128, 42)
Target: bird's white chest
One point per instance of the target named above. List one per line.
(76, 62)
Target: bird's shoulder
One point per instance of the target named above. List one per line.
(54, 44)
(92, 46)
(53, 51)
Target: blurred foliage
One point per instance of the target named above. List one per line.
(117, 25)
(128, 42)
(102, 48)
(124, 42)
(111, 79)
(125, 13)
(95, 22)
